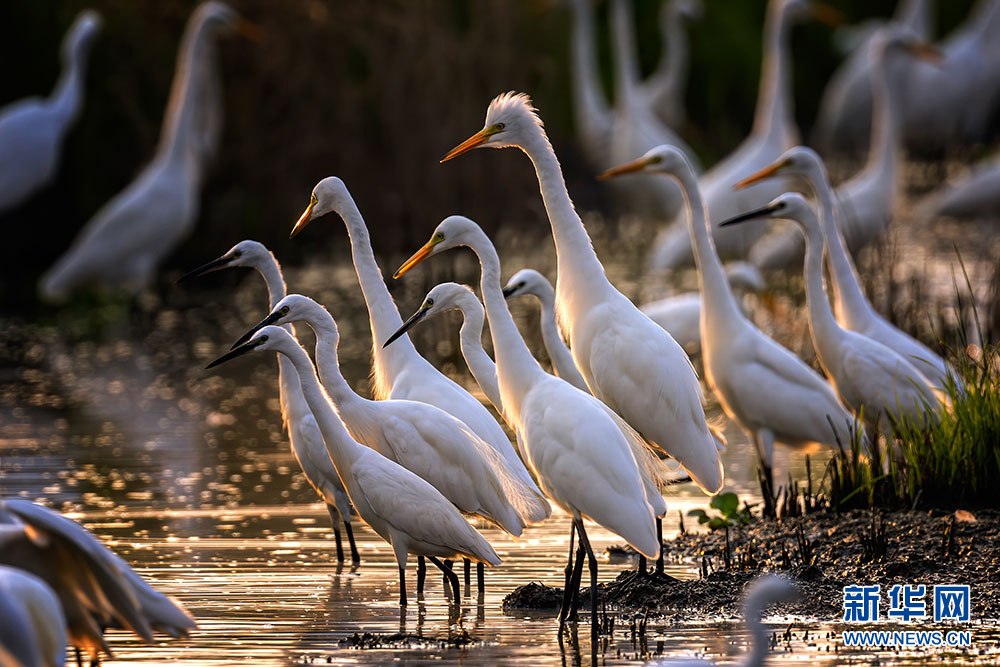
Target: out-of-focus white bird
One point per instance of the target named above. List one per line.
(32, 130)
(529, 281)
(761, 593)
(852, 308)
(33, 628)
(629, 363)
(403, 509)
(680, 314)
(665, 88)
(872, 379)
(120, 248)
(773, 131)
(592, 115)
(868, 201)
(762, 386)
(400, 372)
(845, 111)
(95, 587)
(975, 195)
(304, 435)
(584, 456)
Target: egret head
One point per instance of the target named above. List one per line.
(802, 10)
(663, 159)
(452, 232)
(293, 308)
(441, 298)
(893, 40)
(81, 34)
(511, 121)
(796, 161)
(267, 339)
(527, 281)
(219, 15)
(789, 206)
(251, 254)
(330, 194)
(746, 276)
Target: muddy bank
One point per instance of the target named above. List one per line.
(823, 552)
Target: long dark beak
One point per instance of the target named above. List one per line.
(214, 265)
(270, 319)
(507, 291)
(414, 318)
(757, 213)
(232, 354)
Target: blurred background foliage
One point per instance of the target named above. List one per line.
(374, 92)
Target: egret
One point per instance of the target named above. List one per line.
(33, 631)
(422, 438)
(32, 130)
(95, 587)
(761, 593)
(772, 394)
(629, 363)
(845, 110)
(583, 455)
(592, 115)
(529, 281)
(773, 131)
(402, 508)
(664, 89)
(852, 308)
(401, 372)
(304, 435)
(680, 314)
(976, 195)
(872, 379)
(868, 201)
(122, 245)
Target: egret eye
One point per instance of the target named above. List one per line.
(237, 254)
(263, 338)
(428, 303)
(499, 127)
(313, 199)
(284, 311)
(439, 237)
(520, 285)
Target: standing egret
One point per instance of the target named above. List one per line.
(33, 628)
(852, 308)
(32, 130)
(868, 201)
(122, 245)
(529, 281)
(773, 131)
(665, 88)
(403, 509)
(303, 434)
(871, 378)
(629, 363)
(976, 195)
(422, 438)
(583, 455)
(401, 372)
(762, 386)
(592, 115)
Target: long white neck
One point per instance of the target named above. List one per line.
(471, 339)
(270, 270)
(915, 15)
(822, 324)
(673, 66)
(886, 137)
(758, 646)
(327, 362)
(774, 95)
(593, 115)
(984, 20)
(562, 358)
(624, 42)
(67, 97)
(517, 369)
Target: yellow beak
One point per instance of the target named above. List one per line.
(766, 172)
(475, 140)
(417, 257)
(627, 168)
(251, 31)
(304, 220)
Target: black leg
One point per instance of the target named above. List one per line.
(79, 656)
(574, 584)
(447, 581)
(355, 556)
(449, 577)
(335, 522)
(481, 576)
(564, 607)
(468, 575)
(421, 575)
(641, 570)
(340, 547)
(592, 562)
(402, 586)
(659, 541)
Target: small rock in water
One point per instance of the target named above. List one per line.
(533, 596)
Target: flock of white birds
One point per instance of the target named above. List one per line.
(594, 436)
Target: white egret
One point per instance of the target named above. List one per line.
(680, 314)
(583, 455)
(32, 130)
(529, 281)
(33, 631)
(762, 386)
(852, 308)
(761, 593)
(401, 372)
(868, 201)
(592, 115)
(303, 433)
(665, 88)
(629, 363)
(773, 131)
(422, 438)
(871, 378)
(976, 195)
(402, 508)
(121, 247)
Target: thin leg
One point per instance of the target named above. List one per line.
(355, 556)
(447, 580)
(592, 562)
(641, 570)
(449, 577)
(402, 586)
(481, 577)
(340, 547)
(421, 575)
(564, 607)
(335, 521)
(574, 584)
(468, 574)
(79, 656)
(659, 540)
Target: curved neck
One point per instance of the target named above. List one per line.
(67, 96)
(626, 65)
(774, 96)
(591, 107)
(915, 15)
(562, 358)
(270, 270)
(886, 138)
(327, 362)
(758, 645)
(471, 339)
(674, 61)
(822, 323)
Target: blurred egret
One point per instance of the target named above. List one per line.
(304, 434)
(33, 631)
(403, 509)
(630, 364)
(852, 308)
(583, 455)
(975, 195)
(529, 281)
(762, 386)
(871, 378)
(121, 247)
(592, 115)
(401, 372)
(664, 89)
(32, 130)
